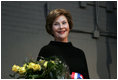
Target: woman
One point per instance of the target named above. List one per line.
(58, 24)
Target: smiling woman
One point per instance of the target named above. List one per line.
(58, 24)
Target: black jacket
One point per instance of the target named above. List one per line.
(73, 56)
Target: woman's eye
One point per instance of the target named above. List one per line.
(64, 22)
(56, 24)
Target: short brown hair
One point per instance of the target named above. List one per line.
(53, 15)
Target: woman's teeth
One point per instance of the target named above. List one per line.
(61, 32)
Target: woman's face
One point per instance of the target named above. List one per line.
(60, 28)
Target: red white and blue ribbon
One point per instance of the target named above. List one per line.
(75, 75)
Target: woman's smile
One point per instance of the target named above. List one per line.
(61, 31)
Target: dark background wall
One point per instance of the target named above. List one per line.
(95, 32)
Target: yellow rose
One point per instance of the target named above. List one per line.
(24, 65)
(22, 70)
(36, 67)
(52, 62)
(41, 61)
(39, 67)
(45, 64)
(31, 65)
(15, 68)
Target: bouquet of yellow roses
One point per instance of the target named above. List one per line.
(45, 68)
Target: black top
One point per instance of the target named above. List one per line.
(73, 56)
